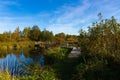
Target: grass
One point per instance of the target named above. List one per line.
(6, 76)
(96, 68)
(36, 72)
(17, 44)
(6, 47)
(58, 59)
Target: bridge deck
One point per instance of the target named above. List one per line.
(74, 53)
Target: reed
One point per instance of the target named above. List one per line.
(6, 76)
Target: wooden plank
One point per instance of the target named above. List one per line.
(74, 53)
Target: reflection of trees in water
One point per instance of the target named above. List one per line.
(18, 63)
(15, 65)
(4, 53)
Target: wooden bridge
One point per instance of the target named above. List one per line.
(40, 44)
(75, 52)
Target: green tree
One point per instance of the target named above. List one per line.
(17, 29)
(8, 35)
(100, 48)
(15, 36)
(3, 38)
(60, 37)
(47, 35)
(35, 33)
(71, 38)
(26, 32)
(103, 37)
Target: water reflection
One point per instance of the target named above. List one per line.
(17, 65)
(42, 60)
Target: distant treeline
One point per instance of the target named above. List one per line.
(35, 34)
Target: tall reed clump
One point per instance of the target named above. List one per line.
(6, 76)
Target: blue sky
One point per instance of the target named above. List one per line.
(67, 16)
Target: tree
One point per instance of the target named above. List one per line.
(35, 33)
(17, 29)
(71, 38)
(26, 32)
(103, 37)
(3, 37)
(47, 35)
(60, 37)
(8, 35)
(15, 36)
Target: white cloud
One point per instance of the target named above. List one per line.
(68, 13)
(66, 28)
(72, 18)
(69, 18)
(107, 8)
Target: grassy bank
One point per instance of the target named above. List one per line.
(8, 47)
(6, 76)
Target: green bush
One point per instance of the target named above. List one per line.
(39, 73)
(55, 55)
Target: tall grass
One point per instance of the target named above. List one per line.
(6, 76)
(36, 72)
(6, 47)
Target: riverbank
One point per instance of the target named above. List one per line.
(8, 47)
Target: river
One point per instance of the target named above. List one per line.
(17, 64)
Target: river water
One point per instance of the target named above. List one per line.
(17, 64)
